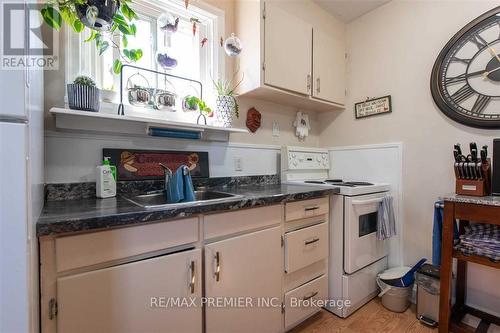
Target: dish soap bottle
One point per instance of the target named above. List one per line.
(105, 179)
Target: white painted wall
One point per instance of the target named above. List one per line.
(380, 163)
(391, 50)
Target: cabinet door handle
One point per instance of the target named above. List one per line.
(311, 241)
(217, 266)
(193, 277)
(308, 82)
(307, 209)
(318, 82)
(305, 298)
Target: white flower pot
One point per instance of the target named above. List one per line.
(225, 108)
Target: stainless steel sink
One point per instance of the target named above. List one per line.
(158, 200)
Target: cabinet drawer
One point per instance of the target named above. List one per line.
(297, 307)
(305, 246)
(98, 247)
(306, 208)
(217, 225)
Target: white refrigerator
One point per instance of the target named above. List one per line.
(21, 193)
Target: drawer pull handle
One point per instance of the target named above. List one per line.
(193, 277)
(307, 209)
(311, 241)
(217, 266)
(305, 298)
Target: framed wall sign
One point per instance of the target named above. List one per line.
(372, 107)
(134, 164)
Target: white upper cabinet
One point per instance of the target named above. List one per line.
(287, 50)
(328, 67)
(293, 54)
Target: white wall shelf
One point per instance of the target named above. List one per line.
(104, 122)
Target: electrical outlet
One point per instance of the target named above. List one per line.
(276, 129)
(238, 164)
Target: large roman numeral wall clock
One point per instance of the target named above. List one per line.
(465, 81)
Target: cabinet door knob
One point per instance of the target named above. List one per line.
(193, 277)
(318, 87)
(217, 266)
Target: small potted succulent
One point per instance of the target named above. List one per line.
(83, 94)
(226, 104)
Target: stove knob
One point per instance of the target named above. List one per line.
(323, 156)
(318, 159)
(293, 155)
(294, 163)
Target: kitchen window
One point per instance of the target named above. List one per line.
(194, 61)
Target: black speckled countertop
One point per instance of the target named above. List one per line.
(68, 216)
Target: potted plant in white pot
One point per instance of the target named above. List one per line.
(83, 94)
(226, 106)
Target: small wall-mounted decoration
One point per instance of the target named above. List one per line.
(302, 125)
(253, 120)
(372, 107)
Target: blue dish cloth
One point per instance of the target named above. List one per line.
(437, 233)
(386, 222)
(180, 187)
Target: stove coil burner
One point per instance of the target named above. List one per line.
(339, 182)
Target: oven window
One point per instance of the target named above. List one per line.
(367, 224)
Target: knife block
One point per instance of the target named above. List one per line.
(475, 187)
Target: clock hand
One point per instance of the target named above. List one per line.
(493, 52)
(485, 74)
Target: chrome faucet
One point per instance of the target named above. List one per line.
(168, 174)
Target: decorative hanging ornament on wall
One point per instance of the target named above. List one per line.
(302, 125)
(465, 81)
(233, 46)
(194, 21)
(253, 120)
(167, 23)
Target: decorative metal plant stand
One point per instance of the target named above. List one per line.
(121, 108)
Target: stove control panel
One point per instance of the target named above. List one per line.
(304, 159)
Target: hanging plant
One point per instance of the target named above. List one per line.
(106, 20)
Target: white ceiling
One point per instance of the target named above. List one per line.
(348, 10)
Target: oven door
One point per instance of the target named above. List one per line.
(361, 247)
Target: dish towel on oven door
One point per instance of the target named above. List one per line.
(386, 222)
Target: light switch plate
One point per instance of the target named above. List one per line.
(238, 164)
(276, 129)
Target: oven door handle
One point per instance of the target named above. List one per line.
(366, 202)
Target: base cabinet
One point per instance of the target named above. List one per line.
(246, 268)
(133, 297)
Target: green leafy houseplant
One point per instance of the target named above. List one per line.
(106, 20)
(192, 103)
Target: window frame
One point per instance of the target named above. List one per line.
(82, 57)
